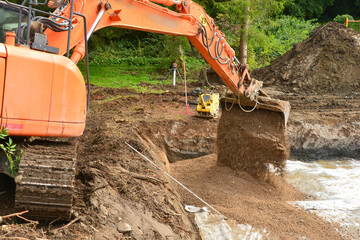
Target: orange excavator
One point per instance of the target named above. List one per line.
(43, 93)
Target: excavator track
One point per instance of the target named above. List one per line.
(47, 171)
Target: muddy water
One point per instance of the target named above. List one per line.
(335, 187)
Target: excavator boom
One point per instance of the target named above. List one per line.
(191, 21)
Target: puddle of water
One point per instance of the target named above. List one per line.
(335, 186)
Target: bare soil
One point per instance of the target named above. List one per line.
(116, 188)
(327, 61)
(241, 196)
(252, 141)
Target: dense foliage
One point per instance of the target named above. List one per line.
(269, 39)
(307, 8)
(275, 25)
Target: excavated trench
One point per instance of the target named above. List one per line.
(316, 141)
(308, 142)
(183, 140)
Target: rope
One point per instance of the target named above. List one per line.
(207, 81)
(158, 168)
(228, 109)
(248, 111)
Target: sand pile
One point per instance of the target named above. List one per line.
(252, 141)
(241, 197)
(327, 61)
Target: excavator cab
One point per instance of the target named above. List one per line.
(42, 94)
(9, 20)
(28, 29)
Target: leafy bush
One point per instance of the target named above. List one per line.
(341, 19)
(9, 149)
(135, 47)
(289, 30)
(269, 39)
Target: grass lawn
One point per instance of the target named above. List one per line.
(134, 77)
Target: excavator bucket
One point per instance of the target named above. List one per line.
(251, 134)
(263, 101)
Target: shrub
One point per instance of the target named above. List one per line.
(341, 19)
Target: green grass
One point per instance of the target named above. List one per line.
(133, 75)
(113, 76)
(112, 99)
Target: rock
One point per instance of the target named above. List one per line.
(66, 231)
(119, 120)
(75, 214)
(94, 202)
(103, 210)
(18, 178)
(123, 227)
(84, 227)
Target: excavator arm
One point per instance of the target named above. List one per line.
(190, 21)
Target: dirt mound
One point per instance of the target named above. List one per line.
(327, 61)
(240, 196)
(260, 140)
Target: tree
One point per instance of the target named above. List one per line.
(243, 36)
(307, 9)
(236, 16)
(341, 7)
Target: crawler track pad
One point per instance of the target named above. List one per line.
(46, 189)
